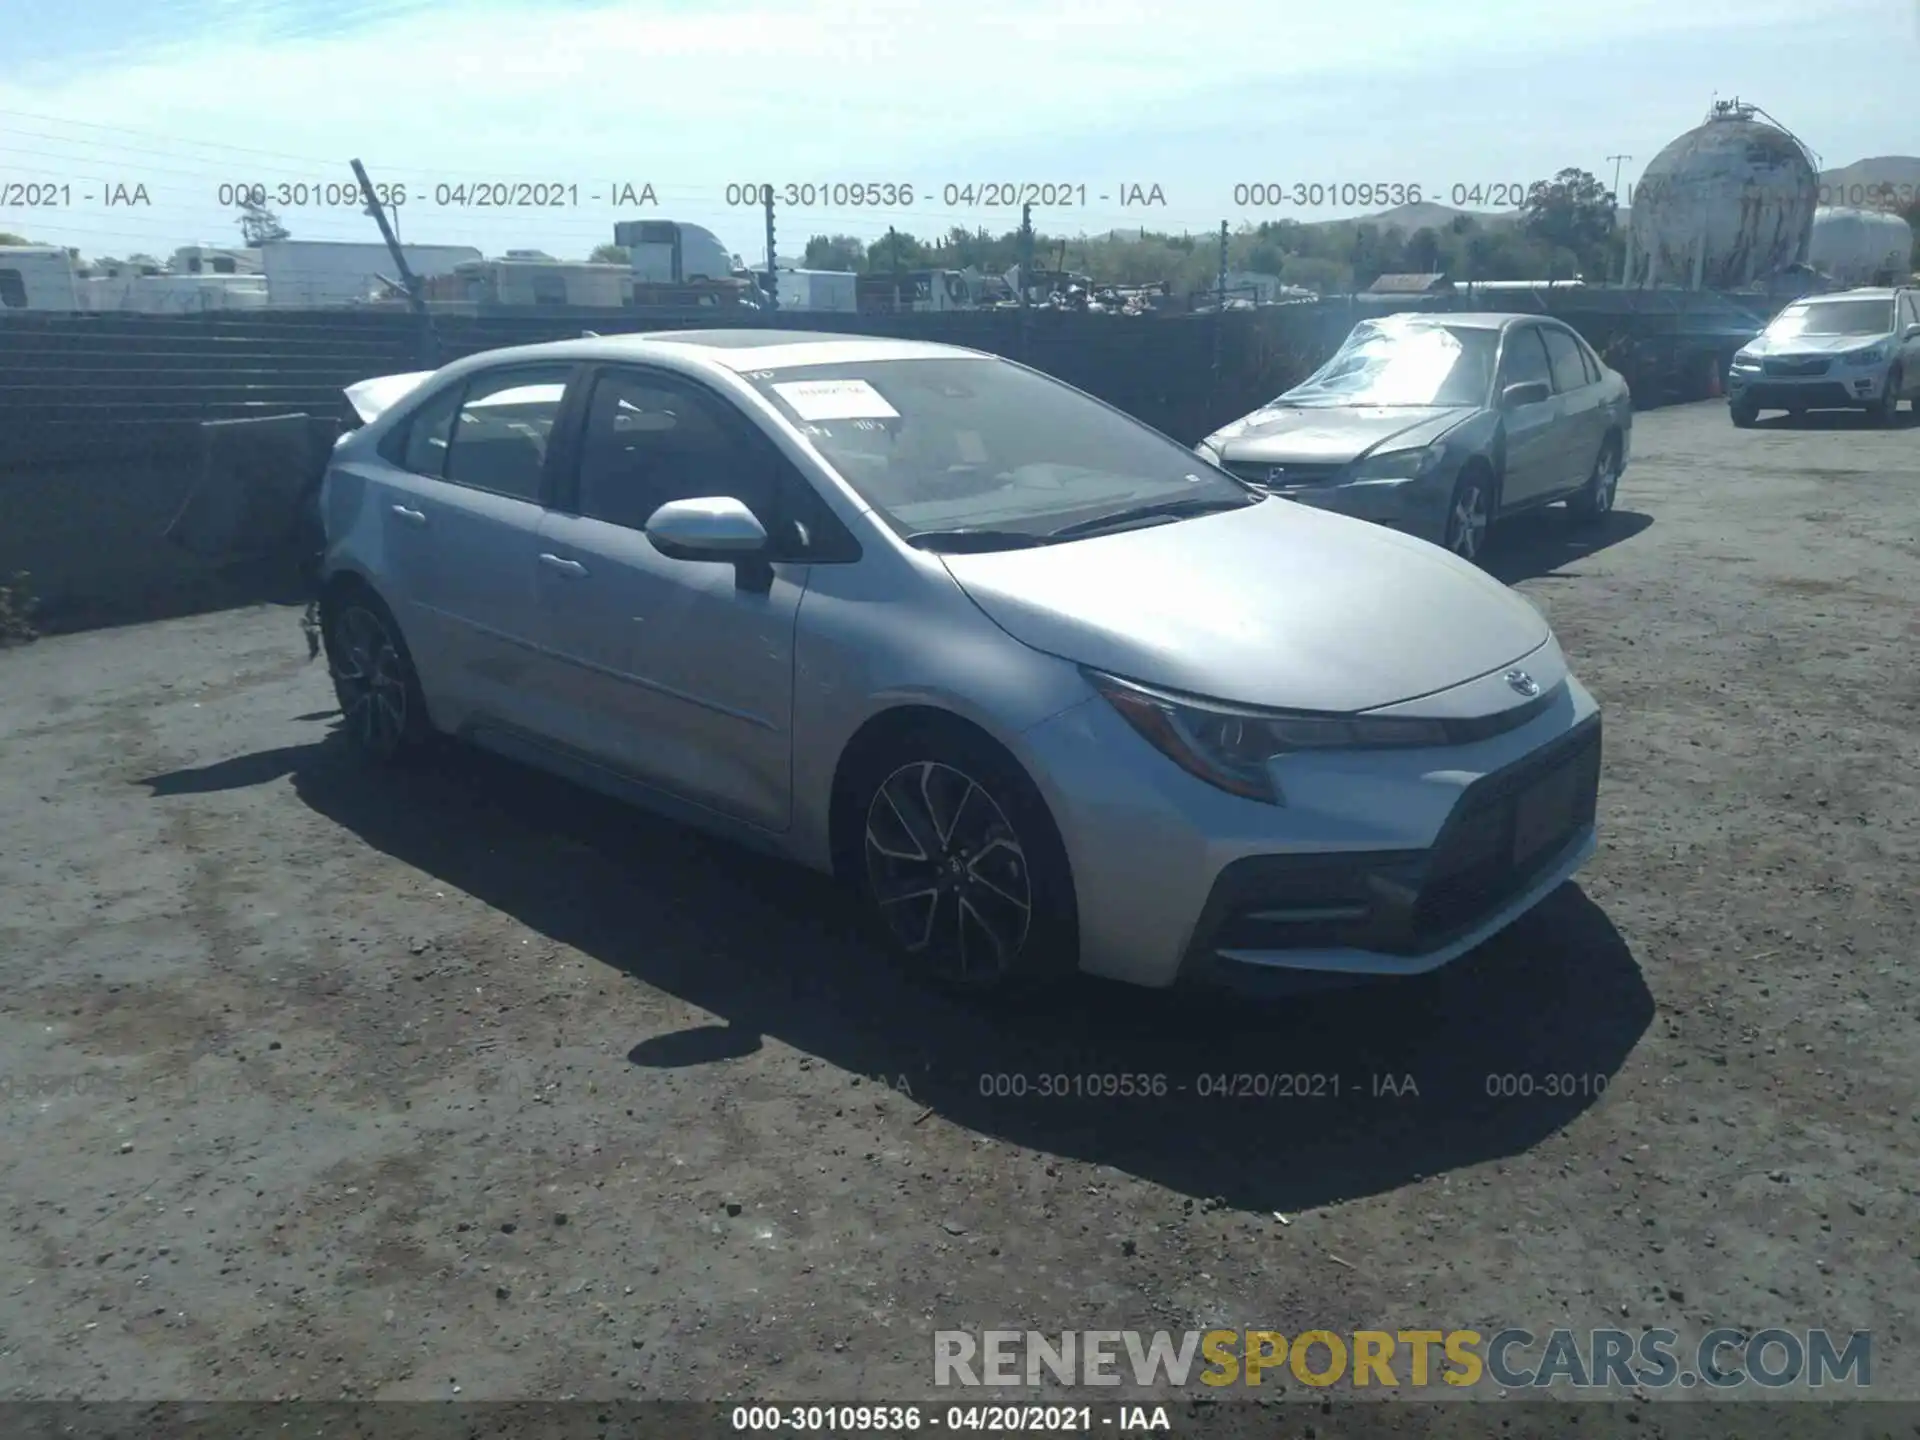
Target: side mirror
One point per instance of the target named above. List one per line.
(1527, 392)
(1912, 332)
(714, 527)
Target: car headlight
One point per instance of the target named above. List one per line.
(1743, 361)
(1399, 464)
(1228, 746)
(1872, 355)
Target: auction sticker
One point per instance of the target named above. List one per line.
(835, 400)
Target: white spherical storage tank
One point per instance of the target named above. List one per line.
(1860, 247)
(1728, 203)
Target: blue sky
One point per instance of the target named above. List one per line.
(1195, 98)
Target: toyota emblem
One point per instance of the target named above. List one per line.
(1524, 683)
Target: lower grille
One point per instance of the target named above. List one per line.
(1503, 834)
(1284, 475)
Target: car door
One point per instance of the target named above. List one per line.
(464, 525)
(1536, 457)
(1583, 421)
(678, 673)
(1908, 318)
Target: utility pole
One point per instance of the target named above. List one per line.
(773, 265)
(1223, 266)
(1220, 315)
(1026, 278)
(1617, 159)
(1626, 252)
(416, 296)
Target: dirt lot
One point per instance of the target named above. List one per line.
(328, 1084)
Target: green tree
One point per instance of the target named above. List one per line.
(1423, 251)
(1574, 212)
(836, 252)
(610, 255)
(7, 237)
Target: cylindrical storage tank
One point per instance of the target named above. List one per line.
(1860, 247)
(1728, 203)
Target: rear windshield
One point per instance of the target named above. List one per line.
(947, 443)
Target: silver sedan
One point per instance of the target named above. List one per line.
(1048, 692)
(1441, 425)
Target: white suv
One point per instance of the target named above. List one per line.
(1859, 350)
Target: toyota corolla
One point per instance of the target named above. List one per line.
(1046, 689)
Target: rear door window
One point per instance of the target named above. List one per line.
(499, 439)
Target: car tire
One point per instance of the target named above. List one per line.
(1743, 414)
(1470, 516)
(1595, 502)
(383, 711)
(1887, 411)
(960, 871)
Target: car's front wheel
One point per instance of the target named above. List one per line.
(383, 713)
(1470, 516)
(960, 869)
(1744, 413)
(1887, 411)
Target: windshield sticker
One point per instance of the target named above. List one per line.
(835, 400)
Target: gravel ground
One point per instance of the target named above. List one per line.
(327, 1084)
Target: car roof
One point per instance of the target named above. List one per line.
(1469, 319)
(739, 349)
(1864, 292)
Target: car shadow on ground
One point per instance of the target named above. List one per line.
(1837, 420)
(1348, 1093)
(1544, 541)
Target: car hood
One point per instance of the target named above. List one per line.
(1333, 434)
(1764, 345)
(1276, 605)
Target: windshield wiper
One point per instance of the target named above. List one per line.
(1165, 510)
(963, 542)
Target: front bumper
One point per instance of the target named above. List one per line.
(1381, 864)
(1838, 388)
(1417, 507)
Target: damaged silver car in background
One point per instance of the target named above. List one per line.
(1440, 425)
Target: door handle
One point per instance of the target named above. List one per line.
(563, 566)
(415, 518)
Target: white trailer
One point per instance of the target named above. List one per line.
(1860, 247)
(312, 274)
(819, 291)
(37, 277)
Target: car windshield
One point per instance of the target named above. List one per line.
(1397, 360)
(1834, 317)
(949, 444)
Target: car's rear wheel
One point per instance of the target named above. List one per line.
(383, 713)
(1744, 413)
(1595, 502)
(1470, 516)
(961, 871)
